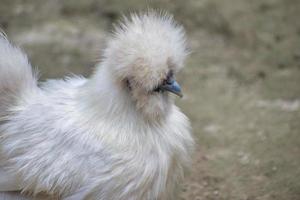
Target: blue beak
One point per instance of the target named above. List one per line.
(172, 86)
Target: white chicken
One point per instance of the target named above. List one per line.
(114, 136)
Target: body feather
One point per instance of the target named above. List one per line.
(17, 80)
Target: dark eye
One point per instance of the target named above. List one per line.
(167, 80)
(170, 77)
(128, 84)
(170, 74)
(157, 89)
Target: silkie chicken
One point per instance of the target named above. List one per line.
(115, 136)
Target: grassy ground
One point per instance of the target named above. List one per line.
(242, 82)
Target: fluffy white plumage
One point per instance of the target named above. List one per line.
(113, 136)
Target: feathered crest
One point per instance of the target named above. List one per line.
(144, 19)
(147, 35)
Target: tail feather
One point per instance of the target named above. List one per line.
(16, 76)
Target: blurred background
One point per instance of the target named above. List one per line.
(241, 82)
